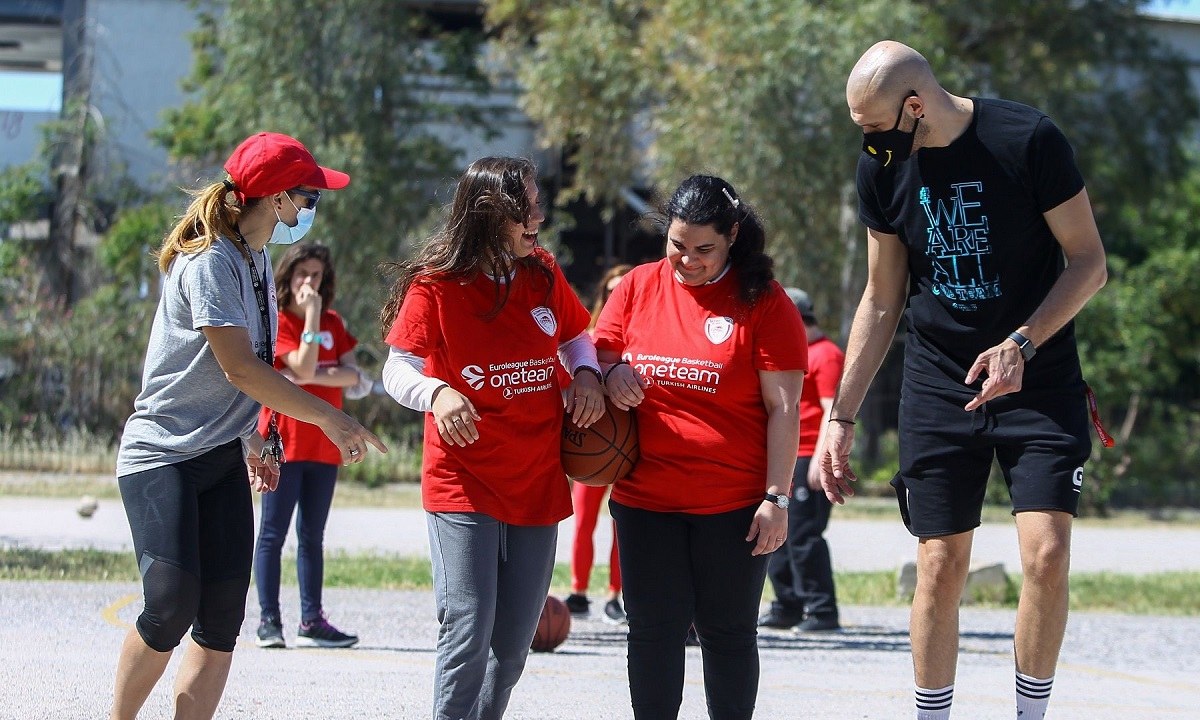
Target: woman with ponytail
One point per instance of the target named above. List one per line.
(189, 454)
(711, 353)
(477, 324)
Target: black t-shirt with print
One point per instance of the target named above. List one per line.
(981, 257)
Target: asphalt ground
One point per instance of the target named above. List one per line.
(59, 641)
(856, 545)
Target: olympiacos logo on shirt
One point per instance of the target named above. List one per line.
(718, 329)
(545, 319)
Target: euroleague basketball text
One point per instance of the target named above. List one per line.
(690, 373)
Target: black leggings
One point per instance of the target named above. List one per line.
(682, 568)
(193, 534)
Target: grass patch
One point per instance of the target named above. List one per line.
(74, 565)
(1173, 593)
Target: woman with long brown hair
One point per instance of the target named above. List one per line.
(477, 323)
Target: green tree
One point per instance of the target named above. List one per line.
(754, 90)
(370, 86)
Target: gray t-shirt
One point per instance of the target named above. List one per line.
(187, 406)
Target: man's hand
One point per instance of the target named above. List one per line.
(1005, 368)
(836, 473)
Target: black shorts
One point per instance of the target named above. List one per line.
(1040, 441)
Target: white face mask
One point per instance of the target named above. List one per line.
(283, 234)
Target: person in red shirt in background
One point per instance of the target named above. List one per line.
(477, 324)
(315, 351)
(709, 350)
(586, 501)
(801, 572)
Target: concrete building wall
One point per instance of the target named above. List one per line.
(141, 53)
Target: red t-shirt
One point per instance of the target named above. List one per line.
(507, 367)
(825, 361)
(702, 428)
(301, 440)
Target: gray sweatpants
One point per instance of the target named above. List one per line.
(490, 581)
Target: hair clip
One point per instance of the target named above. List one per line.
(732, 200)
(229, 186)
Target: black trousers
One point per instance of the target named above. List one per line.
(801, 572)
(681, 569)
(193, 534)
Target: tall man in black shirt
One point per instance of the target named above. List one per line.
(981, 235)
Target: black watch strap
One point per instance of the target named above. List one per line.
(780, 501)
(1024, 344)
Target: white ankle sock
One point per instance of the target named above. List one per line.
(934, 704)
(1033, 695)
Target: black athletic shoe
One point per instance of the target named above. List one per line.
(577, 604)
(778, 618)
(270, 633)
(614, 613)
(320, 633)
(819, 623)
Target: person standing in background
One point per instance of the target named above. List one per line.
(315, 351)
(801, 571)
(586, 501)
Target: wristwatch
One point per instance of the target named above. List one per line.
(1024, 344)
(779, 501)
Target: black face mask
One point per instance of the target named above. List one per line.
(895, 145)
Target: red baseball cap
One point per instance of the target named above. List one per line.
(269, 163)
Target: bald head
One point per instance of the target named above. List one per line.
(885, 74)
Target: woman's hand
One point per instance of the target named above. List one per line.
(769, 527)
(263, 472)
(309, 300)
(455, 416)
(624, 386)
(350, 438)
(585, 398)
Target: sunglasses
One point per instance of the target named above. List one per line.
(312, 196)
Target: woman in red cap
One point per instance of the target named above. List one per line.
(189, 454)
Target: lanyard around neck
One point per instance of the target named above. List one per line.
(274, 444)
(260, 294)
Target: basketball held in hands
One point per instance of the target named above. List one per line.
(603, 453)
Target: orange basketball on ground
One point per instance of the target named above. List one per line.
(553, 627)
(603, 453)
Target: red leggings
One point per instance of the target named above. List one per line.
(586, 500)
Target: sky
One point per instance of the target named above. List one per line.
(42, 92)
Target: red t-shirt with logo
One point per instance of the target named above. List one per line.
(301, 440)
(702, 428)
(507, 367)
(825, 361)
